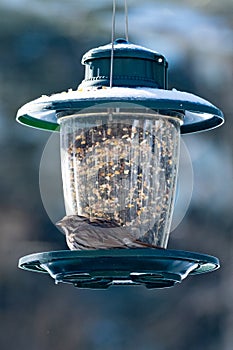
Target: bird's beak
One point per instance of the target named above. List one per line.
(60, 226)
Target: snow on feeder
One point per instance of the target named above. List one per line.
(120, 138)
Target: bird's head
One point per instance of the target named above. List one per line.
(70, 223)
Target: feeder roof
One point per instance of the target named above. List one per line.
(122, 48)
(199, 114)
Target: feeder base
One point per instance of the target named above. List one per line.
(100, 269)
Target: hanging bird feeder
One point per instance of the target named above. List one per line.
(120, 138)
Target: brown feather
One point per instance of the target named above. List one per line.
(97, 233)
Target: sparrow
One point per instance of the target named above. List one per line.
(84, 233)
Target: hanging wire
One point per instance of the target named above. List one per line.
(126, 22)
(113, 34)
(113, 37)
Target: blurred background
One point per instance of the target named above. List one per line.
(41, 45)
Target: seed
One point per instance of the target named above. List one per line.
(130, 205)
(117, 188)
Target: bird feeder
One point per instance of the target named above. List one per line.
(119, 157)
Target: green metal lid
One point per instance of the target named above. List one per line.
(122, 48)
(139, 78)
(133, 66)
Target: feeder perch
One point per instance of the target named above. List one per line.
(119, 157)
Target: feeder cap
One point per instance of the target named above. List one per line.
(133, 66)
(123, 48)
(139, 78)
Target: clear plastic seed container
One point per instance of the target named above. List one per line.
(121, 164)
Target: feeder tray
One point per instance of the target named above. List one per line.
(100, 269)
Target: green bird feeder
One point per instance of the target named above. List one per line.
(120, 139)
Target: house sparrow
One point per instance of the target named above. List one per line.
(97, 233)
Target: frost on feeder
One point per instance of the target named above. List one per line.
(119, 157)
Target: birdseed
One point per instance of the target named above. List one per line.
(122, 170)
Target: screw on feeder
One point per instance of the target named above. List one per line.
(120, 145)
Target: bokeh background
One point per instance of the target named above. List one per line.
(41, 44)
